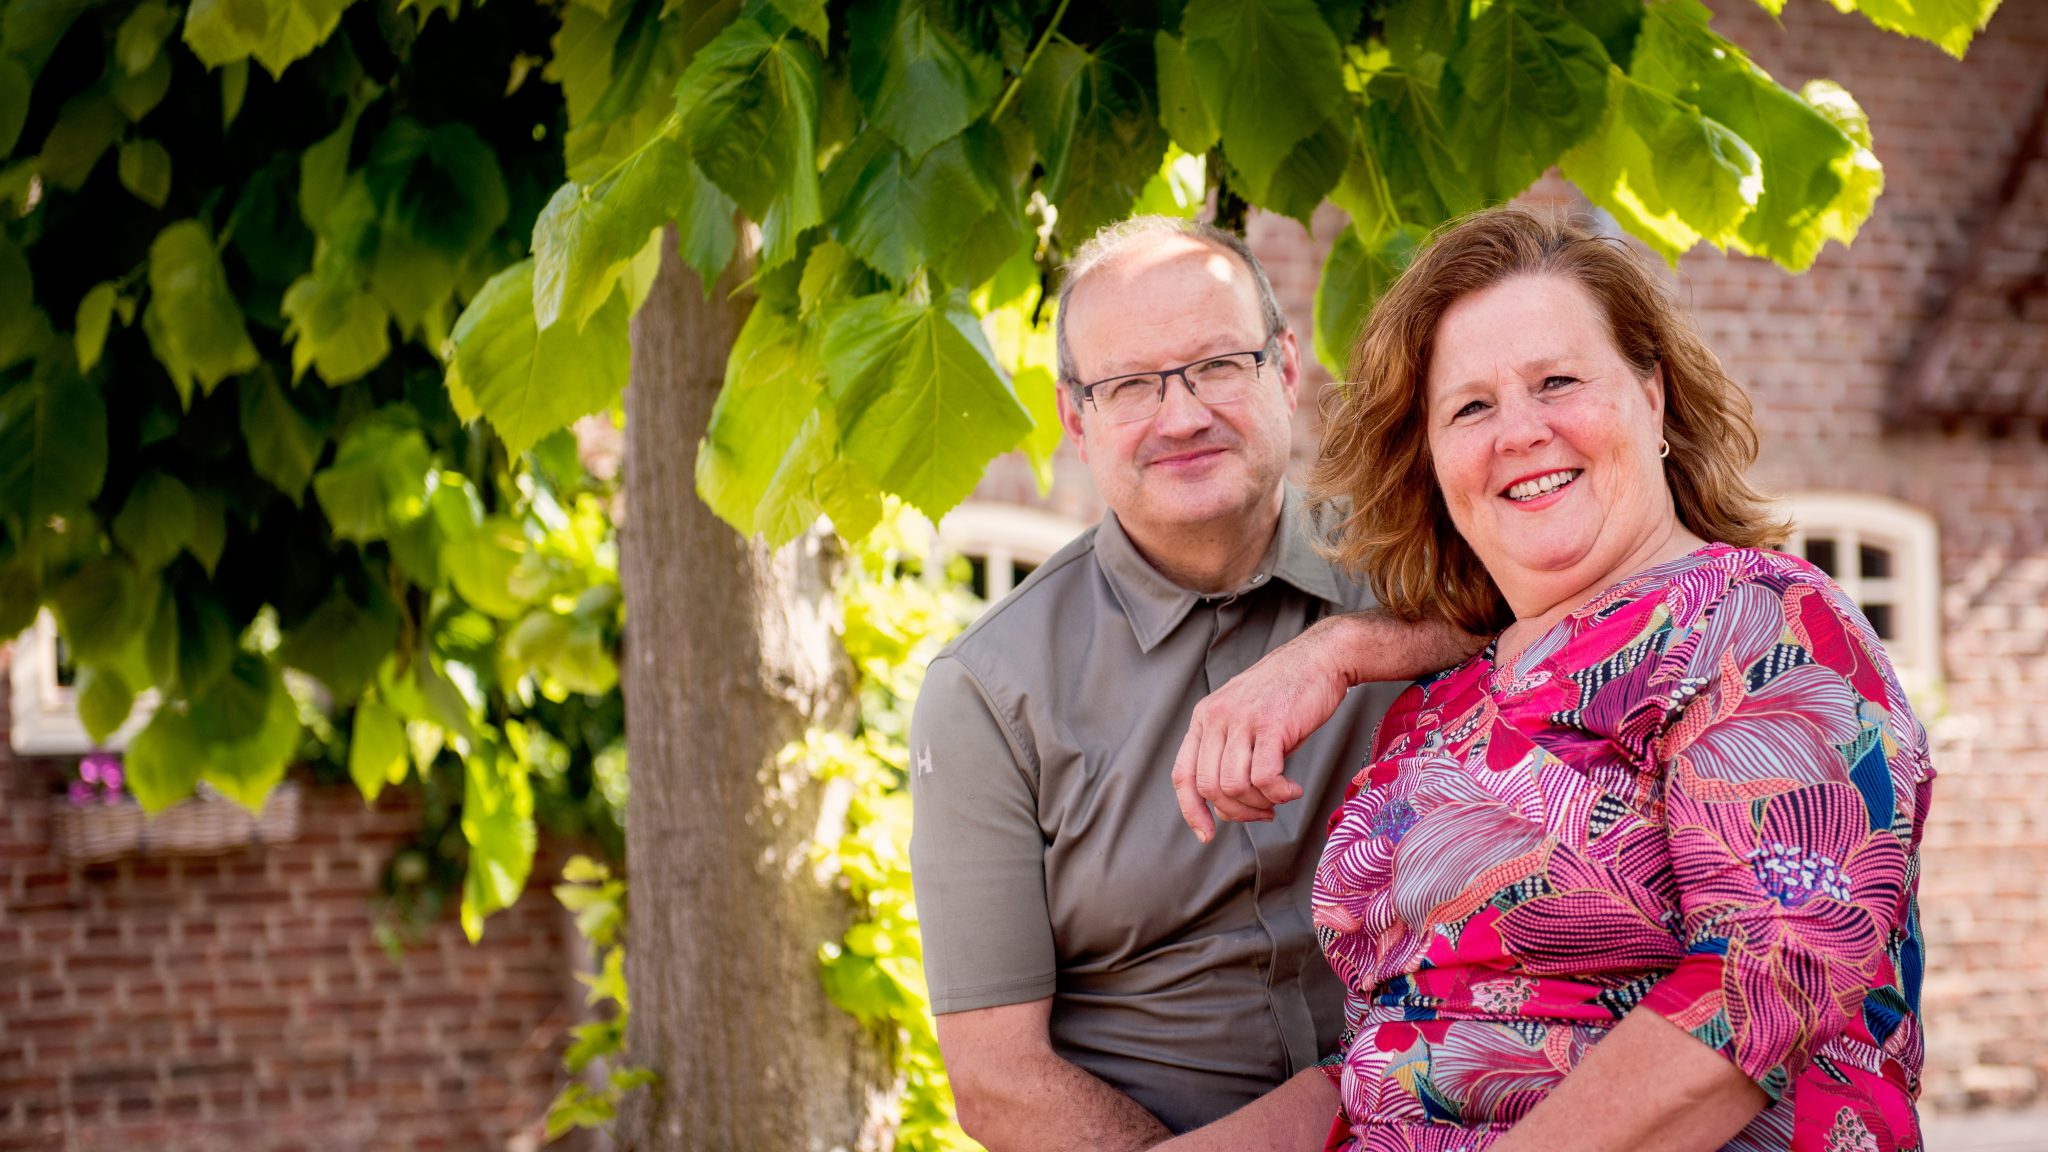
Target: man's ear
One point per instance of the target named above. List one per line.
(1070, 418)
(1290, 368)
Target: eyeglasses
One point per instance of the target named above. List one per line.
(1212, 380)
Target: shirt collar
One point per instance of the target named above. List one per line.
(1156, 605)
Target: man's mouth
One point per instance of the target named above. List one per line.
(1544, 485)
(1189, 457)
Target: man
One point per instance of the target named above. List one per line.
(1103, 979)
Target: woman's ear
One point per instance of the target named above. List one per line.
(1653, 391)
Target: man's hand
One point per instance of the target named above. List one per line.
(1015, 1094)
(1235, 753)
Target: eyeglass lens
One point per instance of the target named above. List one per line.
(1215, 381)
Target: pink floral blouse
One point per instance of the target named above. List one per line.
(1700, 794)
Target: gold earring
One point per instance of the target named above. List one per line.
(1663, 448)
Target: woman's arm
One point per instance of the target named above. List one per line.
(1295, 1117)
(1234, 755)
(1646, 1087)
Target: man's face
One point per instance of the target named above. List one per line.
(1191, 466)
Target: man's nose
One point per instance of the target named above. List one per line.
(1181, 412)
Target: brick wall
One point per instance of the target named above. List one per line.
(1819, 354)
(239, 1001)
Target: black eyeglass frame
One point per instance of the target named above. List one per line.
(1259, 357)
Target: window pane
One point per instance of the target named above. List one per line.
(1881, 620)
(1821, 551)
(1875, 563)
(978, 576)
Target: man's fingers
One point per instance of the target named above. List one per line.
(1234, 774)
(1192, 809)
(1268, 772)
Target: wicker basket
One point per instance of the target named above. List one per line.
(207, 823)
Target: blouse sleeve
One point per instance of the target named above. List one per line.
(1789, 802)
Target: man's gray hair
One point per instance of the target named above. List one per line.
(1116, 239)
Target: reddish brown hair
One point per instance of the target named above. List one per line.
(1398, 533)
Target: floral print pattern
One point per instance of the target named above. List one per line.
(1701, 794)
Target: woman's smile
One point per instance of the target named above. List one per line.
(1530, 491)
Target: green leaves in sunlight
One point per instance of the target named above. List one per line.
(193, 320)
(273, 32)
(1526, 84)
(528, 382)
(497, 821)
(53, 445)
(749, 107)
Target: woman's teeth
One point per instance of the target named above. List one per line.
(1543, 485)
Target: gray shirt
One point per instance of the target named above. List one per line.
(1049, 854)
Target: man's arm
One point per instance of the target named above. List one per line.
(1014, 1092)
(1234, 755)
(1295, 1117)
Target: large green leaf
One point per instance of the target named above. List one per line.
(1950, 23)
(497, 821)
(528, 382)
(14, 95)
(1092, 117)
(139, 42)
(376, 748)
(104, 700)
(193, 320)
(919, 79)
(1526, 84)
(163, 761)
(1271, 72)
(1183, 110)
(378, 481)
(87, 125)
(247, 766)
(337, 329)
(1309, 172)
(1354, 275)
(156, 522)
(53, 444)
(283, 445)
(343, 641)
(138, 95)
(1405, 171)
(190, 642)
(274, 32)
(899, 215)
(920, 402)
(1649, 142)
(101, 608)
(773, 380)
(749, 104)
(438, 196)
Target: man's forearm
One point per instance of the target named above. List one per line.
(1044, 1102)
(1295, 1117)
(1367, 646)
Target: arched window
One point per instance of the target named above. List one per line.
(44, 700)
(1004, 542)
(1885, 555)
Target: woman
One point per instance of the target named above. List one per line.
(1640, 874)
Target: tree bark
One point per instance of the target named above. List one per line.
(729, 656)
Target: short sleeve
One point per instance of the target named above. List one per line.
(977, 853)
(1789, 796)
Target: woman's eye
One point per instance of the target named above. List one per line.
(1553, 383)
(1469, 409)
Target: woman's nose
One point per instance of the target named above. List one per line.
(1523, 425)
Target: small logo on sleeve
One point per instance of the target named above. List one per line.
(924, 760)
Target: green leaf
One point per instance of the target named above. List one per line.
(95, 316)
(139, 42)
(100, 608)
(1524, 86)
(245, 770)
(528, 382)
(1421, 34)
(104, 701)
(773, 380)
(1406, 170)
(1270, 69)
(1308, 174)
(588, 236)
(921, 405)
(137, 96)
(23, 328)
(156, 521)
(164, 760)
(14, 95)
(209, 536)
(808, 15)
(479, 554)
(234, 87)
(439, 195)
(376, 748)
(377, 483)
(146, 171)
(1091, 114)
(53, 443)
(1354, 275)
(749, 103)
(814, 478)
(1949, 23)
(898, 215)
(87, 125)
(323, 173)
(497, 821)
(917, 77)
(283, 445)
(233, 708)
(1649, 143)
(336, 328)
(193, 320)
(1182, 109)
(20, 597)
(274, 32)
(342, 643)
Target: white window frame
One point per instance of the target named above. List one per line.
(1913, 589)
(44, 719)
(1002, 535)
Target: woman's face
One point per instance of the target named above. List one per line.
(1545, 441)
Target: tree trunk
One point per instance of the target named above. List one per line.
(729, 656)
